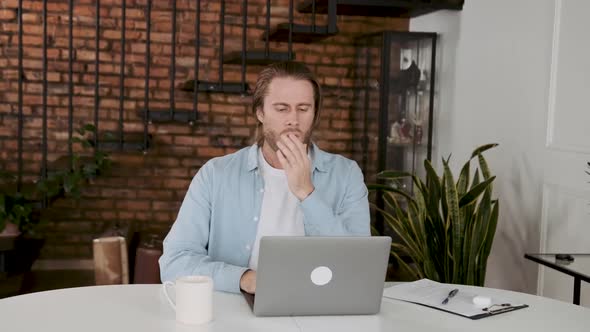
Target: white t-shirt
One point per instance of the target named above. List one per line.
(280, 214)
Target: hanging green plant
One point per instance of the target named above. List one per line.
(17, 207)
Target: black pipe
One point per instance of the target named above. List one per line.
(44, 100)
(383, 101)
(366, 109)
(70, 81)
(332, 16)
(96, 77)
(415, 108)
(146, 96)
(290, 42)
(122, 74)
(221, 42)
(44, 59)
(197, 55)
(267, 44)
(313, 25)
(173, 63)
(244, 44)
(20, 97)
(431, 93)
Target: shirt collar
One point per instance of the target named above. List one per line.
(317, 157)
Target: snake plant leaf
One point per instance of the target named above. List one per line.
(393, 175)
(475, 192)
(445, 227)
(481, 149)
(463, 181)
(457, 225)
(398, 225)
(491, 229)
(485, 170)
(391, 189)
(416, 272)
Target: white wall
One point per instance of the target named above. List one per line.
(493, 81)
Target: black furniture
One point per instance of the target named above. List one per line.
(393, 113)
(575, 265)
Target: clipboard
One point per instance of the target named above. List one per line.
(431, 294)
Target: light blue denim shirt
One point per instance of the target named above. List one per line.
(216, 226)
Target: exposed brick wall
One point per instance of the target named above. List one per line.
(149, 188)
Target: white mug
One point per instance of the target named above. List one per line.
(194, 299)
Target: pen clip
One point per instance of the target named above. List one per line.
(450, 296)
(499, 308)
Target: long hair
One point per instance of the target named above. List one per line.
(291, 69)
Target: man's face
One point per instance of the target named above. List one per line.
(288, 108)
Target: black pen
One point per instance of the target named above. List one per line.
(451, 294)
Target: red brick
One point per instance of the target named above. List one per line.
(166, 205)
(133, 205)
(7, 14)
(191, 140)
(176, 183)
(10, 4)
(150, 188)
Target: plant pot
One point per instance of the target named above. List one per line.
(20, 258)
(8, 237)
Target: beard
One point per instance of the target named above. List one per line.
(271, 137)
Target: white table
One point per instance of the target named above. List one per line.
(143, 308)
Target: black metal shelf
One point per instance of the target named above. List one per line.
(301, 33)
(165, 116)
(131, 142)
(257, 58)
(381, 8)
(225, 87)
(63, 163)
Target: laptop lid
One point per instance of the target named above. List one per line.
(320, 275)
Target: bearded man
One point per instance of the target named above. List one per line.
(283, 185)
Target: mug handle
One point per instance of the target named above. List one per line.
(165, 290)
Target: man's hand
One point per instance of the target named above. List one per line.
(292, 155)
(248, 282)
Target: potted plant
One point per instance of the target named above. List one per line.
(19, 242)
(20, 218)
(446, 226)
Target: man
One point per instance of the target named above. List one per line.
(283, 185)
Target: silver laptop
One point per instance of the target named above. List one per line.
(299, 276)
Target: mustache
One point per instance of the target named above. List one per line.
(286, 131)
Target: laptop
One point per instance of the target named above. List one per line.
(303, 276)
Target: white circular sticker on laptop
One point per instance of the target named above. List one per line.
(321, 275)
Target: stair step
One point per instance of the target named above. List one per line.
(226, 87)
(165, 116)
(63, 163)
(10, 188)
(382, 8)
(301, 33)
(109, 141)
(30, 193)
(257, 57)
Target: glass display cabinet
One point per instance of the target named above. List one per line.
(394, 79)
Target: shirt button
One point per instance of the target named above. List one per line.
(261, 190)
(248, 247)
(255, 218)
